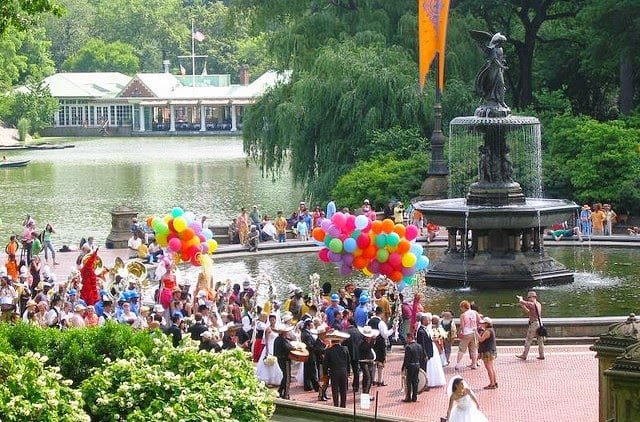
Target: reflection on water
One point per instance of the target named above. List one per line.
(75, 188)
(612, 289)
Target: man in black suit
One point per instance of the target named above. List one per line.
(424, 339)
(281, 349)
(198, 328)
(413, 353)
(336, 361)
(175, 329)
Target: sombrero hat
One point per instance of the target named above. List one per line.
(338, 335)
(367, 331)
(283, 328)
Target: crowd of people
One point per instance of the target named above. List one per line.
(252, 227)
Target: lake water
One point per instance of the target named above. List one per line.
(75, 189)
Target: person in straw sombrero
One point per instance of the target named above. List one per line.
(336, 361)
(281, 349)
(366, 356)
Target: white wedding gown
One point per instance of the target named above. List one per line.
(435, 373)
(269, 374)
(465, 410)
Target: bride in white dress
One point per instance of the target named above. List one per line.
(435, 373)
(267, 369)
(463, 404)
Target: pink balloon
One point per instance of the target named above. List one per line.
(395, 260)
(175, 244)
(363, 241)
(350, 224)
(411, 232)
(324, 254)
(339, 219)
(386, 269)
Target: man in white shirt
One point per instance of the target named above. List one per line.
(133, 245)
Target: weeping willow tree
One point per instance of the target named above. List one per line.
(317, 122)
(353, 71)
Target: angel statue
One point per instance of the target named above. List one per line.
(489, 83)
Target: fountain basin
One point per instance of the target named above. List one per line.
(535, 212)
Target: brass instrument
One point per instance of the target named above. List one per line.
(122, 274)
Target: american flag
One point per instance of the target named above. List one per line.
(198, 36)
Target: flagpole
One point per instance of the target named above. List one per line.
(193, 55)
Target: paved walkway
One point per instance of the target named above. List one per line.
(564, 387)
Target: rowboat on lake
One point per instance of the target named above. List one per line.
(17, 163)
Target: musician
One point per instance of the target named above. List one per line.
(281, 349)
(377, 323)
(310, 369)
(382, 301)
(319, 348)
(366, 356)
(353, 344)
(336, 360)
(413, 353)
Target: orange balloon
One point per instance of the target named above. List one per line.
(403, 246)
(360, 262)
(370, 252)
(396, 276)
(387, 225)
(376, 226)
(357, 253)
(149, 221)
(400, 229)
(318, 234)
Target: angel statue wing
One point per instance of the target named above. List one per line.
(482, 39)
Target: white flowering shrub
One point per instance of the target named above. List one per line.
(31, 391)
(177, 384)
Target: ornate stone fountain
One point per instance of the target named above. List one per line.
(495, 234)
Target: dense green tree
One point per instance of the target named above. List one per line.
(590, 161)
(71, 31)
(24, 56)
(97, 56)
(611, 47)
(21, 13)
(524, 23)
(33, 102)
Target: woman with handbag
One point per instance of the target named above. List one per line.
(536, 330)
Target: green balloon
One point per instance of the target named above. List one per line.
(335, 245)
(382, 255)
(393, 239)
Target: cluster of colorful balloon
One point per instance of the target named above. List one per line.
(183, 235)
(373, 247)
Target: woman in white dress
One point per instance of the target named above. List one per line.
(267, 369)
(435, 373)
(463, 404)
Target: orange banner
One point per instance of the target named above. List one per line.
(432, 35)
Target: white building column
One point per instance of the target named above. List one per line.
(172, 118)
(56, 118)
(203, 119)
(233, 118)
(95, 116)
(141, 113)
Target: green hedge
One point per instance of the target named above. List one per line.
(122, 374)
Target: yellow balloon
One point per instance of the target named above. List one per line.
(167, 218)
(179, 223)
(162, 239)
(366, 272)
(213, 245)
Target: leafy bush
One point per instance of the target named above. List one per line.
(29, 391)
(77, 351)
(381, 179)
(177, 383)
(23, 128)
